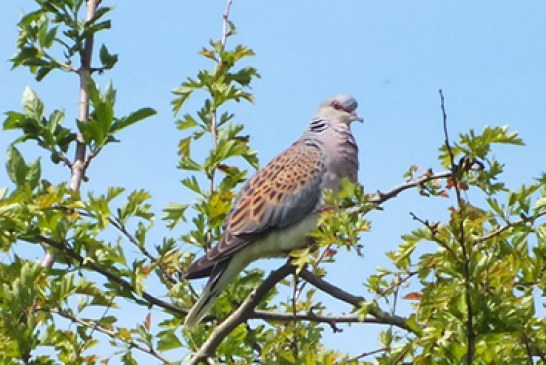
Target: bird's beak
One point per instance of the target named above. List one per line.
(357, 118)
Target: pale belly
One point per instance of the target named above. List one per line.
(278, 243)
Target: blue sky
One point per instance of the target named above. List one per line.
(489, 57)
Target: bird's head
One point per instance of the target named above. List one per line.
(339, 109)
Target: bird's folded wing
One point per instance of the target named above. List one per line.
(281, 194)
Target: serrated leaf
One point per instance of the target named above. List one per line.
(174, 213)
(192, 184)
(187, 122)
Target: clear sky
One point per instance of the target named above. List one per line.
(488, 56)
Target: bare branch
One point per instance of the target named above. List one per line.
(311, 317)
(226, 32)
(369, 353)
(241, 314)
(384, 196)
(336, 292)
(471, 340)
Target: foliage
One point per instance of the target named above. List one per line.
(473, 277)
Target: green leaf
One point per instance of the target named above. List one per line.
(174, 213)
(15, 165)
(168, 341)
(13, 120)
(98, 129)
(192, 184)
(32, 105)
(187, 122)
(42, 72)
(108, 60)
(96, 27)
(132, 118)
(50, 37)
(100, 12)
(128, 359)
(34, 173)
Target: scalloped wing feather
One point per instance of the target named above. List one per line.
(281, 194)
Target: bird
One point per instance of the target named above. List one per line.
(280, 205)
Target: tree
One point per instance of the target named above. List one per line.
(474, 275)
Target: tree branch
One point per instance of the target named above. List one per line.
(311, 317)
(338, 293)
(368, 353)
(89, 264)
(508, 225)
(110, 333)
(226, 31)
(241, 314)
(78, 167)
(471, 339)
(412, 183)
(123, 229)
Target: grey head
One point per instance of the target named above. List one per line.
(340, 108)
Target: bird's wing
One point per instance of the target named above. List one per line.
(286, 190)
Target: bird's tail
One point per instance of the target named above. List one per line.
(221, 275)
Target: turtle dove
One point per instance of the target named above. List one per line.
(280, 205)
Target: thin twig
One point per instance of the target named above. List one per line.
(369, 353)
(385, 196)
(315, 265)
(508, 225)
(312, 317)
(434, 232)
(121, 227)
(94, 326)
(226, 32)
(528, 350)
(89, 264)
(84, 72)
(104, 313)
(213, 127)
(471, 339)
(336, 292)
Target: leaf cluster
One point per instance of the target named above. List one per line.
(477, 284)
(54, 34)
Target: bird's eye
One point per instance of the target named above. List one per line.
(336, 105)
